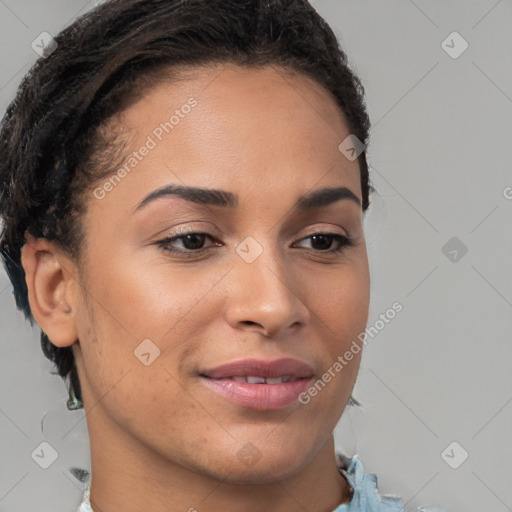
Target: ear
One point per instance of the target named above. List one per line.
(51, 283)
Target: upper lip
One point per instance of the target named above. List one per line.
(261, 368)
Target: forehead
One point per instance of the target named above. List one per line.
(232, 127)
(241, 99)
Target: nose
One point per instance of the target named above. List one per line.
(265, 297)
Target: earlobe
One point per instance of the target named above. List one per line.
(50, 281)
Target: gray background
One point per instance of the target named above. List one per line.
(439, 372)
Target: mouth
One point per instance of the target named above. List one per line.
(259, 384)
(284, 368)
(252, 379)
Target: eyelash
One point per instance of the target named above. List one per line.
(344, 243)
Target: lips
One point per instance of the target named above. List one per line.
(292, 369)
(259, 384)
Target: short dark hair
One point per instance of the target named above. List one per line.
(51, 151)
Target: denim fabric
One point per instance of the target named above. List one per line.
(366, 497)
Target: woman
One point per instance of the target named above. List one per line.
(209, 371)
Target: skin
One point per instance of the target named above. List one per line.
(160, 440)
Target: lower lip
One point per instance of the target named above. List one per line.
(262, 397)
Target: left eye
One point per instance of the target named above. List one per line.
(325, 240)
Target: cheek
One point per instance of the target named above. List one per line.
(147, 299)
(341, 305)
(122, 385)
(340, 300)
(141, 313)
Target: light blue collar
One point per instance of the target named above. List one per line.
(366, 497)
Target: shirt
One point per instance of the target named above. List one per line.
(365, 494)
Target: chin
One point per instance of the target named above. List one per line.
(265, 465)
(261, 473)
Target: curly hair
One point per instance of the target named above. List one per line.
(53, 149)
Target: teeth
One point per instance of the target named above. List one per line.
(262, 380)
(277, 380)
(255, 380)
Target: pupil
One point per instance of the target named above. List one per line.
(320, 237)
(198, 238)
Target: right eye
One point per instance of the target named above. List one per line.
(192, 242)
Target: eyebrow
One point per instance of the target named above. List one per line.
(225, 199)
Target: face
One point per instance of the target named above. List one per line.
(174, 286)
